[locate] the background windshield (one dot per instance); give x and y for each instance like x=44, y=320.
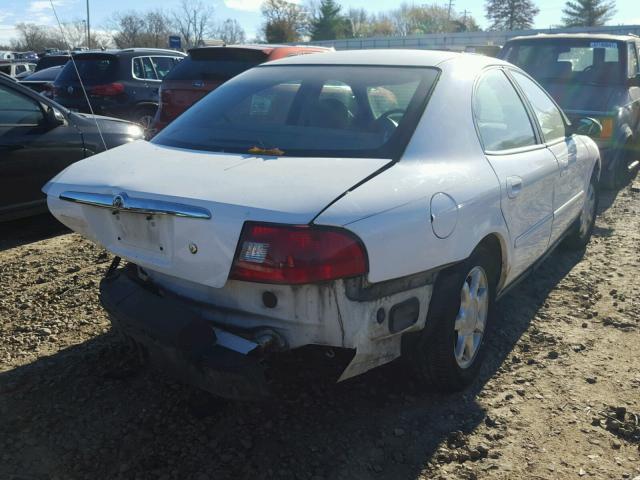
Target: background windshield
x=569, y=60
x=216, y=64
x=308, y=111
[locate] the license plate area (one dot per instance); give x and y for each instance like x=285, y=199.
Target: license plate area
x=149, y=233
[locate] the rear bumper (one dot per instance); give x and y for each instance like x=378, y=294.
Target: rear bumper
x=181, y=343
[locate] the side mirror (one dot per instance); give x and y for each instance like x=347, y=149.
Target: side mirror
x=52, y=117
x=586, y=126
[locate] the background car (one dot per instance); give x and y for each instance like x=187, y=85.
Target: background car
x=42, y=81
x=206, y=68
x=594, y=75
x=375, y=202
x=119, y=83
x=38, y=139
x=17, y=69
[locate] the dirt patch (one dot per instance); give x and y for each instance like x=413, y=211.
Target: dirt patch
x=563, y=366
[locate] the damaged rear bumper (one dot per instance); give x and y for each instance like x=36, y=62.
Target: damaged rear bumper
x=181, y=343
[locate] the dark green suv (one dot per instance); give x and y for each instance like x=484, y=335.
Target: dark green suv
x=596, y=76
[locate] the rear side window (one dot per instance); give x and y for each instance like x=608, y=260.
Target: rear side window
x=18, y=109
x=548, y=115
x=501, y=117
x=5, y=69
x=93, y=70
x=143, y=69
x=216, y=64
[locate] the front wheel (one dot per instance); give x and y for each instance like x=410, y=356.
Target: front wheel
x=450, y=349
x=582, y=227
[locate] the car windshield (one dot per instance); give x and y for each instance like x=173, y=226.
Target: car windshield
x=569, y=60
x=93, y=70
x=308, y=110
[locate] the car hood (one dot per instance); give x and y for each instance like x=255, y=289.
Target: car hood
x=233, y=188
x=577, y=97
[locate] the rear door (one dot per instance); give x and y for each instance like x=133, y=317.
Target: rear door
x=573, y=157
x=31, y=152
x=526, y=169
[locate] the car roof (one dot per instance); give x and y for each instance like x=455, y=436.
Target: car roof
x=384, y=57
x=578, y=36
x=130, y=52
x=265, y=47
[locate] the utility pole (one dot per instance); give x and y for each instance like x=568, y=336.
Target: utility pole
x=88, y=28
x=464, y=17
x=451, y=3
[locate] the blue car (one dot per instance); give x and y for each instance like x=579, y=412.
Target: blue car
x=596, y=76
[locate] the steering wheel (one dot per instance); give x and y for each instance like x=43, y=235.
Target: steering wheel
x=390, y=113
x=386, y=123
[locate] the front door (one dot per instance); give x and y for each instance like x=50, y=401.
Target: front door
x=526, y=169
x=32, y=150
x=573, y=161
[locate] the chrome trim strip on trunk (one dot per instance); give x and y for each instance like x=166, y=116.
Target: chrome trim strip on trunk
x=122, y=202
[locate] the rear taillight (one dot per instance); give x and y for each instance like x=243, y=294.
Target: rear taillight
x=107, y=90
x=297, y=254
x=607, y=127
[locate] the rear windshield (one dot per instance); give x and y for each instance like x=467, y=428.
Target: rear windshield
x=216, y=64
x=308, y=110
x=569, y=60
x=46, y=62
x=93, y=70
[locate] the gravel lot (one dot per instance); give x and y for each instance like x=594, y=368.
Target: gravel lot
x=559, y=396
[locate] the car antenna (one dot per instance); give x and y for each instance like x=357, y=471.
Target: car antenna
x=75, y=67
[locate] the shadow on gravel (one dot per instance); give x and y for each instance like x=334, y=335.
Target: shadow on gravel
x=89, y=412
x=28, y=230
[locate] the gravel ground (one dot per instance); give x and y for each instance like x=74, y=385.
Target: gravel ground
x=558, y=397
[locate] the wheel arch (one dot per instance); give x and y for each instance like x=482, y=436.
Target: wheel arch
x=497, y=245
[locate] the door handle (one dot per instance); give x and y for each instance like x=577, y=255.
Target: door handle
x=514, y=186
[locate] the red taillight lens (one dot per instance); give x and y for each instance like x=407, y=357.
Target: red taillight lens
x=108, y=90
x=297, y=254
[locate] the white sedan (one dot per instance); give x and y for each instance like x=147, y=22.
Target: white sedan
x=371, y=202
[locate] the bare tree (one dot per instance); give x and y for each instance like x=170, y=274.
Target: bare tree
x=193, y=21
x=32, y=37
x=230, y=32
x=135, y=29
x=360, y=22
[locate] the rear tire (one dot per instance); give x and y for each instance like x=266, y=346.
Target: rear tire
x=448, y=353
x=582, y=227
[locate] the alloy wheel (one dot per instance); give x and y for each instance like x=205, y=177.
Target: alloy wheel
x=472, y=316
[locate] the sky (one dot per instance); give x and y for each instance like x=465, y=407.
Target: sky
x=247, y=12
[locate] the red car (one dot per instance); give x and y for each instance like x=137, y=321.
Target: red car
x=206, y=68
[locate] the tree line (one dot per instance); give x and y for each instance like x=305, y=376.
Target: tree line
x=284, y=21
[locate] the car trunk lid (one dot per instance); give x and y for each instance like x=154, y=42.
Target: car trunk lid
x=151, y=204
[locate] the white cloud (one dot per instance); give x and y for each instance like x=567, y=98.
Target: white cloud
x=246, y=5
x=7, y=33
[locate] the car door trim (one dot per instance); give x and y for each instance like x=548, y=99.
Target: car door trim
x=532, y=229
x=577, y=197
x=145, y=206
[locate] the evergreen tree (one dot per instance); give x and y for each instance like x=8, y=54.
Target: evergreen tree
x=511, y=14
x=588, y=13
x=329, y=23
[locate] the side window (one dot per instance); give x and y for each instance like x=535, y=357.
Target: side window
x=501, y=117
x=163, y=65
x=18, y=110
x=548, y=115
x=143, y=69
x=20, y=69
x=633, y=61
